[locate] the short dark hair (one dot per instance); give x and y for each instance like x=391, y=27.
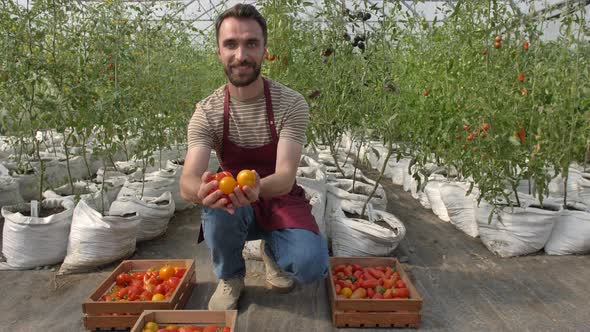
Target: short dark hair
x=241, y=11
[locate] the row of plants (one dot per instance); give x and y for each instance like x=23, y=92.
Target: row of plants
x=100, y=74
x=481, y=91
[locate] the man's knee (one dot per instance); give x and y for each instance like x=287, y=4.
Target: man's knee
x=310, y=263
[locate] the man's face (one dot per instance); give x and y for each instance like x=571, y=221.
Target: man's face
x=241, y=49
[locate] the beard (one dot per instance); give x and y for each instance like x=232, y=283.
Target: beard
x=242, y=79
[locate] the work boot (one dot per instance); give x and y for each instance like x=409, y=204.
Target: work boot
x=276, y=279
x=227, y=294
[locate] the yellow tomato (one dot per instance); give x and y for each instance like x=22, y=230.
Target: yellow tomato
x=166, y=272
x=227, y=185
x=246, y=178
x=160, y=297
x=347, y=292
x=151, y=326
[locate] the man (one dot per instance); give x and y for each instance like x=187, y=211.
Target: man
x=257, y=124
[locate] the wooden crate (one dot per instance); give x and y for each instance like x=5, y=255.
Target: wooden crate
x=187, y=317
x=374, y=313
x=123, y=315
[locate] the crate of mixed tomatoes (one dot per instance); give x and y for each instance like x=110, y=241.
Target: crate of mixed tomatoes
x=186, y=321
x=372, y=292
x=138, y=285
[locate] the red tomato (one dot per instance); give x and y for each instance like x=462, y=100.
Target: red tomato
x=498, y=39
x=246, y=178
x=404, y=293
x=370, y=293
x=377, y=296
x=123, y=279
x=466, y=127
x=173, y=282
x=161, y=288
x=123, y=292
x=221, y=175
x=138, y=275
x=338, y=288
x=179, y=272
x=525, y=45
x=166, y=272
x=226, y=329
x=521, y=134
x=400, y=284
x=396, y=275
x=339, y=268
x=348, y=270
x=146, y=296
x=485, y=126
x=497, y=45
x=137, y=283
x=135, y=291
x=372, y=283
x=211, y=328
x=272, y=58
x=521, y=76
x=388, y=283
x=357, y=267
x=400, y=293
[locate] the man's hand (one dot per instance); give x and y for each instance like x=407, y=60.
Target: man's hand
x=246, y=195
x=212, y=197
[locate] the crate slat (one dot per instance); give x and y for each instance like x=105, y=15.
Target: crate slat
x=196, y=317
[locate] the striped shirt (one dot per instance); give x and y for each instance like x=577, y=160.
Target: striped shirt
x=248, y=124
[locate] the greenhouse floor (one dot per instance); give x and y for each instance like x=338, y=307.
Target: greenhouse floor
x=464, y=286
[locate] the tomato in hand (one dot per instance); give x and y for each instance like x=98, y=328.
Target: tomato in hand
x=246, y=178
x=221, y=175
x=227, y=185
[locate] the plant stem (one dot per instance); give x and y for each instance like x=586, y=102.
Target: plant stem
x=389, y=153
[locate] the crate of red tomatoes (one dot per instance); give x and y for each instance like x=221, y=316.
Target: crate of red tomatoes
x=138, y=285
x=372, y=292
x=186, y=321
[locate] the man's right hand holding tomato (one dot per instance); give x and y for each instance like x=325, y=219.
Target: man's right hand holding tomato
x=210, y=195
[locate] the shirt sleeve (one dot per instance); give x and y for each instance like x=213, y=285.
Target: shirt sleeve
x=296, y=121
x=199, y=133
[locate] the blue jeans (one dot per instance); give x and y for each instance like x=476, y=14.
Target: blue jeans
x=300, y=253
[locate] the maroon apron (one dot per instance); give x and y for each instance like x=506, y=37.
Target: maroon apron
x=288, y=211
